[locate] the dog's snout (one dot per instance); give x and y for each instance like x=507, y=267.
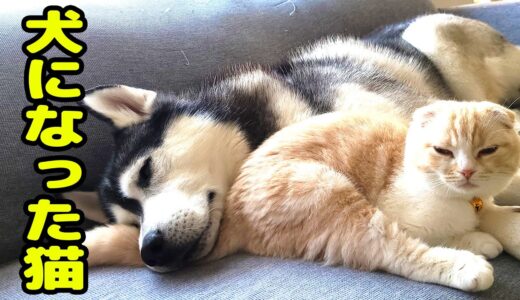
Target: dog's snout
x=153, y=248
x=157, y=251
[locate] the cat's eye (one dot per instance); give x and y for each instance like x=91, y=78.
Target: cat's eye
x=487, y=151
x=443, y=151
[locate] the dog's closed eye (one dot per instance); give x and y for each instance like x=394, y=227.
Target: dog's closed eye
x=211, y=196
x=145, y=174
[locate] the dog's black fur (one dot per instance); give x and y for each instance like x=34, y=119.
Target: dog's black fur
x=250, y=111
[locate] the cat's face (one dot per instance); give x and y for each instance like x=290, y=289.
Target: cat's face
x=468, y=148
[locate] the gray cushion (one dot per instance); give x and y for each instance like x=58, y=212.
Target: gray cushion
x=143, y=43
x=249, y=277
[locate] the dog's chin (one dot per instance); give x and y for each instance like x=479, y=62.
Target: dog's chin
x=170, y=267
x=162, y=269
x=205, y=244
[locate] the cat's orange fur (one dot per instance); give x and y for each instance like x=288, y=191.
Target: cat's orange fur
x=312, y=191
x=292, y=198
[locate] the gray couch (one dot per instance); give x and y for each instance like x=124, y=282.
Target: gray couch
x=172, y=45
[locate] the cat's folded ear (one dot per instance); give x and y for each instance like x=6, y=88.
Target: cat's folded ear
x=425, y=114
x=506, y=116
x=120, y=104
x=517, y=123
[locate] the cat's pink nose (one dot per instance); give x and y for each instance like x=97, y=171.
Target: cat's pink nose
x=467, y=173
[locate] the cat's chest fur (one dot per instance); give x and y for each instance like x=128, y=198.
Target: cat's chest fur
x=428, y=217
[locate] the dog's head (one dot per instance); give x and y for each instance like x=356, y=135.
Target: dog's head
x=171, y=168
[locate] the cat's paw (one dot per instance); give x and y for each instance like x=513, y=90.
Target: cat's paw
x=504, y=223
x=472, y=273
x=481, y=243
x=511, y=238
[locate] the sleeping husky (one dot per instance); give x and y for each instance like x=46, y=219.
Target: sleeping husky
x=176, y=155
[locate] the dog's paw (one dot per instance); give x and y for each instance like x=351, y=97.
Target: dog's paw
x=471, y=272
x=481, y=243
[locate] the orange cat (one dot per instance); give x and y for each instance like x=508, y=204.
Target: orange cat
x=366, y=192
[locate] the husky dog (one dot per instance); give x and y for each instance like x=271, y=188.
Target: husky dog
x=176, y=155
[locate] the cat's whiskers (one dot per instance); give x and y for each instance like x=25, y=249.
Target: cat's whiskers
x=436, y=183
x=451, y=174
x=452, y=177
x=446, y=190
x=513, y=103
x=505, y=173
x=215, y=209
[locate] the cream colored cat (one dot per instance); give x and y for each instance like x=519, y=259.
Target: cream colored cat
x=368, y=193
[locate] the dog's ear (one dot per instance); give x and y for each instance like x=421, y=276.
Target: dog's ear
x=120, y=104
x=88, y=202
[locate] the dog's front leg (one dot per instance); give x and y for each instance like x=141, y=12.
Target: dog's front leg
x=511, y=196
x=503, y=222
x=113, y=245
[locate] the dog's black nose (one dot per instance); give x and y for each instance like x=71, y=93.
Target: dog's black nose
x=157, y=251
x=153, y=248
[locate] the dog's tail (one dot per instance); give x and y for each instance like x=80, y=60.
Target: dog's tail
x=113, y=245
